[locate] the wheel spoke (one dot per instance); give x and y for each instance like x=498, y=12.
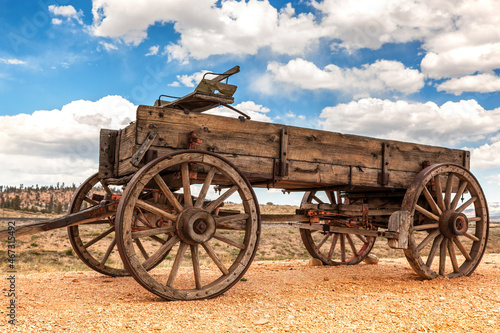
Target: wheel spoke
x=151, y=232
x=142, y=219
x=453, y=257
x=162, y=251
x=90, y=201
x=426, y=212
x=351, y=244
x=434, y=206
x=177, y=264
x=432, y=253
x=471, y=236
x=362, y=238
x=233, y=222
x=324, y=240
x=442, y=256
x=342, y=248
x=426, y=226
x=229, y=241
x=439, y=192
x=459, y=193
x=427, y=239
x=106, y=188
x=196, y=266
x=461, y=247
x=332, y=247
x=466, y=204
x=141, y=248
x=216, y=203
x=168, y=194
x=211, y=253
x=108, y=252
x=158, y=239
x=186, y=185
x=447, y=193
x=99, y=237
x=204, y=189
x=155, y=210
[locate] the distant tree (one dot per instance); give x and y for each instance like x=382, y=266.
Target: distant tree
x=50, y=206
x=16, y=203
x=59, y=208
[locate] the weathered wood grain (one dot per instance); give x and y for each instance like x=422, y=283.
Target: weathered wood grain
x=313, y=158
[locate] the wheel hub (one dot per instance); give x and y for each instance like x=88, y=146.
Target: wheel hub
x=453, y=224
x=195, y=226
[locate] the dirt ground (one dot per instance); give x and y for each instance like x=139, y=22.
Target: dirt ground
x=279, y=296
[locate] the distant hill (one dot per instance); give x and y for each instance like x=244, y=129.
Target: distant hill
x=44, y=199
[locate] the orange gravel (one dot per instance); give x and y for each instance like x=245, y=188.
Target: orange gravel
x=283, y=296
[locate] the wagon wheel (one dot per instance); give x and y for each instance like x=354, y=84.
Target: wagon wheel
x=211, y=248
x=449, y=229
x=95, y=243
x=330, y=247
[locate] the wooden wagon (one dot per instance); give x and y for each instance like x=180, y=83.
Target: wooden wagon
x=179, y=166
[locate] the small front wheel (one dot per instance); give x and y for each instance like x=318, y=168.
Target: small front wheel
x=330, y=247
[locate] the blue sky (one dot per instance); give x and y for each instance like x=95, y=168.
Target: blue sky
x=425, y=72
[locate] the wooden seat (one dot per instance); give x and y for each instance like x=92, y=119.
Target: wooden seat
x=209, y=93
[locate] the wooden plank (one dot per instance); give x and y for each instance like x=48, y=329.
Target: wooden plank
x=399, y=222
x=107, y=153
x=127, y=145
x=300, y=174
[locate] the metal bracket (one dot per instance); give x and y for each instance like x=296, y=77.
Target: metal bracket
x=193, y=140
x=139, y=154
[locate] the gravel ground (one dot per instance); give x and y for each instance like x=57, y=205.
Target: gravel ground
x=280, y=296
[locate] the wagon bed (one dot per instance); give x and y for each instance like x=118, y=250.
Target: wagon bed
x=271, y=155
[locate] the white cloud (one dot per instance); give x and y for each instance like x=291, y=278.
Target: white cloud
x=58, y=145
x=232, y=27
x=450, y=124
x=483, y=83
x=486, y=156
x=12, y=61
x=254, y=111
x=370, y=24
x=56, y=21
x=459, y=38
x=68, y=12
x=108, y=47
x=191, y=80
x=462, y=61
x=153, y=50
x=381, y=76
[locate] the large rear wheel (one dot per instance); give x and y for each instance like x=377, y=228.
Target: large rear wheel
x=210, y=248
x=450, y=222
